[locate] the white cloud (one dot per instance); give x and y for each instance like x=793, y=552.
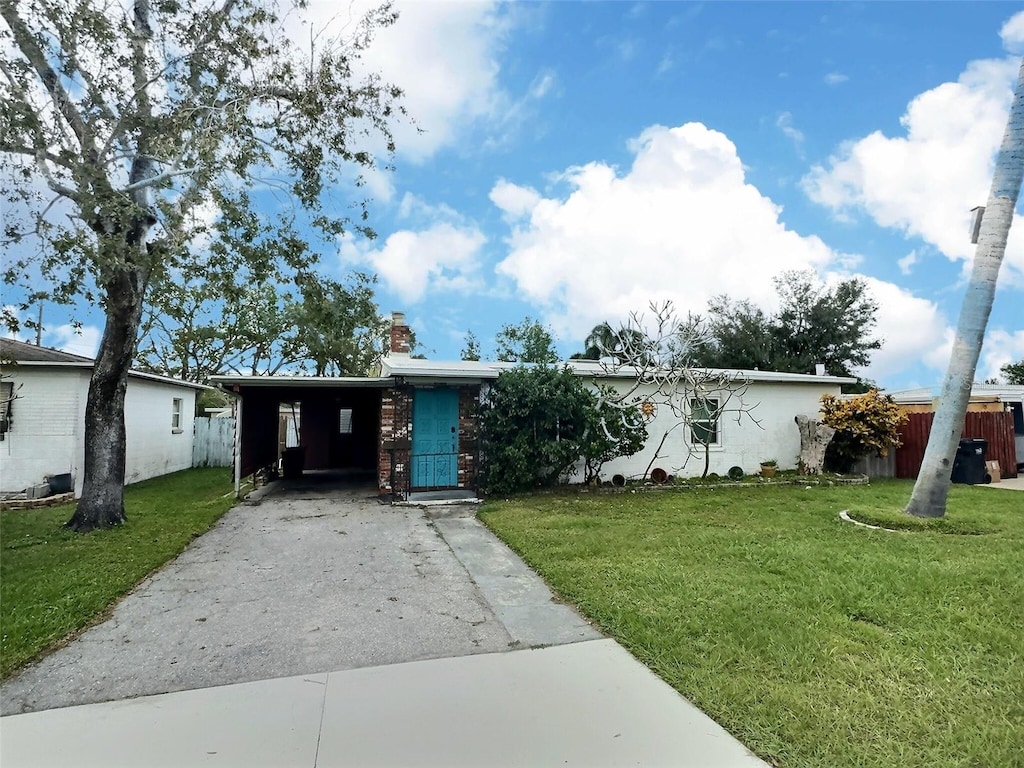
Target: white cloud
x=682, y=223
x=911, y=328
x=84, y=340
x=926, y=181
x=835, y=78
x=784, y=123
x=907, y=263
x=445, y=56
x=1001, y=347
x=1012, y=33
x=443, y=256
x=513, y=200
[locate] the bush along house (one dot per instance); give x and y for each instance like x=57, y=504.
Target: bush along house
x=413, y=428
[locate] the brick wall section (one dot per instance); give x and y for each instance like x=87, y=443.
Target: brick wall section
x=393, y=476
x=395, y=436
x=469, y=398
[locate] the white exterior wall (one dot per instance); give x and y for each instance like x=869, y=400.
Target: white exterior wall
x=742, y=443
x=47, y=437
x=153, y=448
x=47, y=423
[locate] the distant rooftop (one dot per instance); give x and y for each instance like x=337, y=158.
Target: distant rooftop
x=19, y=352
x=29, y=355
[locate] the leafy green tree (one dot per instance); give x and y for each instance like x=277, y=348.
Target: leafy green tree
x=1013, y=372
x=815, y=324
x=144, y=121
x=471, y=347
x=537, y=422
x=605, y=341
x=526, y=342
x=743, y=336
x=868, y=423
x=338, y=329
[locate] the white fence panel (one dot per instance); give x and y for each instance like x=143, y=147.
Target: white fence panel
x=213, y=442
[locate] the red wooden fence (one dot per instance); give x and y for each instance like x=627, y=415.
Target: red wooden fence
x=996, y=428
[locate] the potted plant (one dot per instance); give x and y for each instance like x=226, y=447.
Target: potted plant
x=769, y=467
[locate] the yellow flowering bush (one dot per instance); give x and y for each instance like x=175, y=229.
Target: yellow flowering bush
x=864, y=424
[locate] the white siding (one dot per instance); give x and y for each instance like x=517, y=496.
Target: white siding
x=49, y=421
x=153, y=447
x=46, y=426
x=743, y=443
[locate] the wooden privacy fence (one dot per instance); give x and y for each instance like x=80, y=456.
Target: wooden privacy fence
x=213, y=442
x=994, y=427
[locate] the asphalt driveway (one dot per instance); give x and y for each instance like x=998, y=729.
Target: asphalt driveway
x=300, y=584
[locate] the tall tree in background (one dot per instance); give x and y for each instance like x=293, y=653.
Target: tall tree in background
x=1014, y=372
x=471, y=347
x=338, y=328
x=815, y=324
x=526, y=342
x=129, y=126
x=928, y=498
x=605, y=341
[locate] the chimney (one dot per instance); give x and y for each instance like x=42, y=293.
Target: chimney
x=400, y=334
x=819, y=368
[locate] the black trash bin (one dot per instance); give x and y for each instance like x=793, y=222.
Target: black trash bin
x=293, y=461
x=969, y=464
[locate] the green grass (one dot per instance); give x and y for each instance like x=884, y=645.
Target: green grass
x=814, y=641
x=54, y=582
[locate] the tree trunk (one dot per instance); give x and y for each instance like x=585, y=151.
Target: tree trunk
x=814, y=440
x=102, y=501
x=932, y=487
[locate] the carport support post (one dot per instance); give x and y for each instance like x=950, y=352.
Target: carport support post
x=238, y=445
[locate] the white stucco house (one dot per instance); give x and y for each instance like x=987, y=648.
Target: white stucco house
x=42, y=427
x=756, y=424
x=415, y=424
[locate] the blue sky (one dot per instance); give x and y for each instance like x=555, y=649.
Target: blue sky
x=578, y=160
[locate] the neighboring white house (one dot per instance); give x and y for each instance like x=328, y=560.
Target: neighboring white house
x=42, y=428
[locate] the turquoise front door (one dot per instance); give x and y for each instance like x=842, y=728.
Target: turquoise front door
x=435, y=438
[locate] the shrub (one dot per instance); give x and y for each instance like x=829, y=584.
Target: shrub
x=864, y=424
x=537, y=422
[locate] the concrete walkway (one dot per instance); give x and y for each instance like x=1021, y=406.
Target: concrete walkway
x=1008, y=484
x=329, y=630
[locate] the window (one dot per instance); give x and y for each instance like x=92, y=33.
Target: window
x=176, y=415
x=704, y=421
x=345, y=421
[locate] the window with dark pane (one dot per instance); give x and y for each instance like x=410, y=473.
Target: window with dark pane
x=704, y=420
x=345, y=421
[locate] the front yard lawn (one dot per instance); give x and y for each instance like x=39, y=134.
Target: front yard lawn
x=814, y=641
x=54, y=582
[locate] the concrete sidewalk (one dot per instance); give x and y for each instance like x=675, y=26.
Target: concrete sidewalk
x=585, y=704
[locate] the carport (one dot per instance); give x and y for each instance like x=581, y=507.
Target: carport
x=337, y=420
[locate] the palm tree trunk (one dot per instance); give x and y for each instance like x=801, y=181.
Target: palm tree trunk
x=929, y=495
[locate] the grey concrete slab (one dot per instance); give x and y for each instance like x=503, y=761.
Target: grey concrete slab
x=584, y=704
x=272, y=723
x=299, y=584
x=519, y=597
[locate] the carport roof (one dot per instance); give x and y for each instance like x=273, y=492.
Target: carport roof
x=228, y=382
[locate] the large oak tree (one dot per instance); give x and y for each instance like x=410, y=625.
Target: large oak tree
x=142, y=134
